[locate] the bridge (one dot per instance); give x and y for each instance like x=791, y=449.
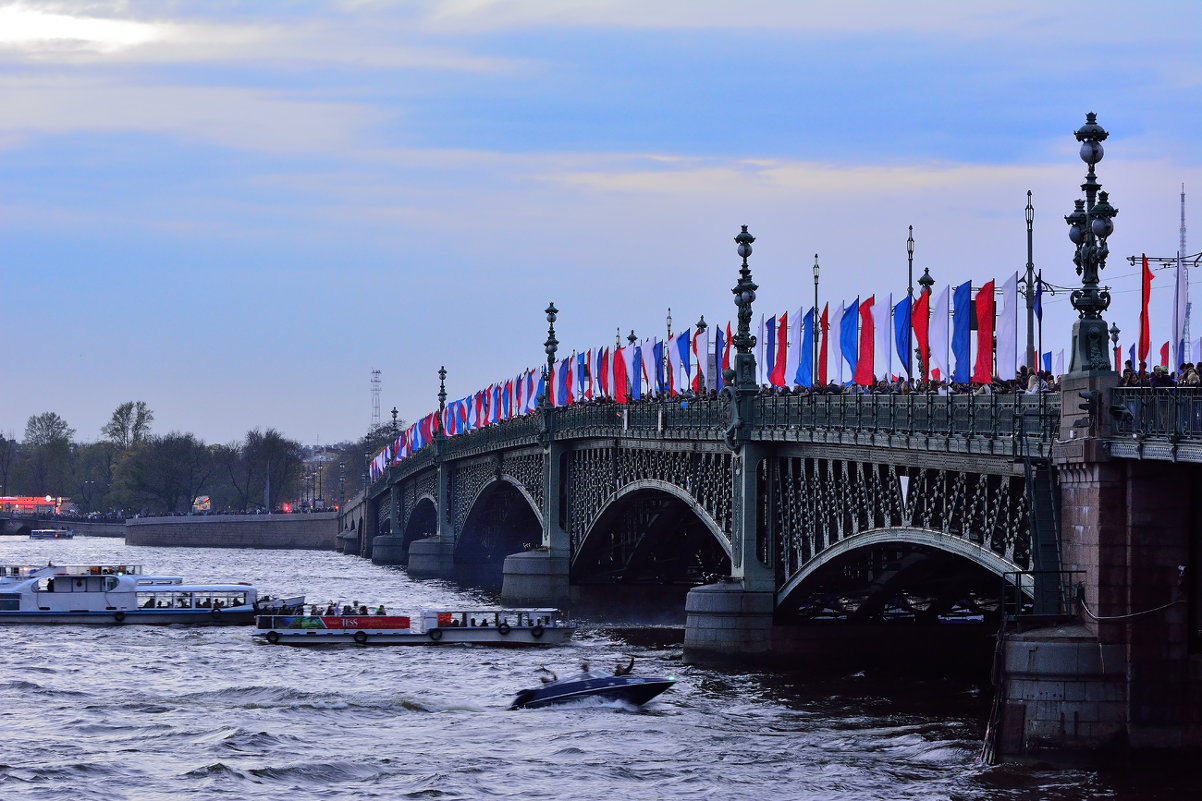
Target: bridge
x=1070, y=522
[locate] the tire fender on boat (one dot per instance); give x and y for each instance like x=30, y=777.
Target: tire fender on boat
x=360, y=637
x=215, y=614
x=273, y=637
x=537, y=631
x=503, y=629
x=436, y=634
x=118, y=616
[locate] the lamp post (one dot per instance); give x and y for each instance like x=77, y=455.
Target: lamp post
x=701, y=375
x=1114, y=337
x=341, y=485
x=667, y=357
x=439, y=430
x=1089, y=226
x=740, y=382
x=395, y=431
x=550, y=346
x=1030, y=286
x=814, y=329
x=910, y=263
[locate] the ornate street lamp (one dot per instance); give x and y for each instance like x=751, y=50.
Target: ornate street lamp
x=550, y=347
x=667, y=377
x=1031, y=357
x=1114, y=337
x=744, y=292
x=442, y=401
x=740, y=387
x=910, y=263
x=1089, y=226
x=395, y=432
x=814, y=328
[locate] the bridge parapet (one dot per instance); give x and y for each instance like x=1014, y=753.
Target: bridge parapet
x=1163, y=423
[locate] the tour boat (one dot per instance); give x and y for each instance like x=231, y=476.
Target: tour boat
x=116, y=594
x=635, y=690
x=512, y=627
x=51, y=534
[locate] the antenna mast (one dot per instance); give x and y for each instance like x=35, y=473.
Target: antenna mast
x=1181, y=256
x=375, y=399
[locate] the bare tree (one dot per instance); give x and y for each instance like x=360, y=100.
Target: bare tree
x=129, y=425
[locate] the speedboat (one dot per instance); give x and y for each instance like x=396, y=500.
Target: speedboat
x=115, y=594
x=505, y=627
x=636, y=690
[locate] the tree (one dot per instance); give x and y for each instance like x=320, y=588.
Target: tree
x=170, y=471
x=92, y=475
x=8, y=453
x=47, y=451
x=129, y=425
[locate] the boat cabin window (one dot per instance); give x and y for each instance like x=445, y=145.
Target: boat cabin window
x=10, y=601
x=218, y=600
x=77, y=584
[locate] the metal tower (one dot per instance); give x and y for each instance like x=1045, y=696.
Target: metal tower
x=375, y=399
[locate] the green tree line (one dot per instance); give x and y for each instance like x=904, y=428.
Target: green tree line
x=132, y=470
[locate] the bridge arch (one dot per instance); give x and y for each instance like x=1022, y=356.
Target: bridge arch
x=960, y=566
x=651, y=531
x=422, y=521
x=502, y=518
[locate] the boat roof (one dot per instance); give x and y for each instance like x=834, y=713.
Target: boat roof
x=495, y=610
x=29, y=571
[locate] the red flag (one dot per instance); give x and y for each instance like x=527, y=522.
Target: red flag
x=777, y=376
x=864, y=364
x=603, y=373
x=726, y=349
x=1164, y=355
x=920, y=317
x=1145, y=339
x=983, y=372
x=619, y=376
x=822, y=347
x=1118, y=359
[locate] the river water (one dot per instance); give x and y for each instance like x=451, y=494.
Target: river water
x=148, y=713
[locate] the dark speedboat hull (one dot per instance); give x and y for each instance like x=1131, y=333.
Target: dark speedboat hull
x=636, y=690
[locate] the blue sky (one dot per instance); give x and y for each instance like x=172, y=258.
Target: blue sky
x=234, y=211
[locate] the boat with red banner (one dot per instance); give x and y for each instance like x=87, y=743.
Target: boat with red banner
x=505, y=627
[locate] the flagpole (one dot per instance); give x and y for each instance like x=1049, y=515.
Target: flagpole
x=1032, y=357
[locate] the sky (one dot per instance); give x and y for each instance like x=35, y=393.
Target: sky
x=235, y=211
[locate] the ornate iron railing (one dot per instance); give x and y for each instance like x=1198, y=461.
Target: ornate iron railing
x=1029, y=417
x=1171, y=413
x=991, y=416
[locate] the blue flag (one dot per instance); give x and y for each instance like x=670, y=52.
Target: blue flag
x=961, y=331
x=659, y=367
x=901, y=331
x=636, y=377
x=1039, y=296
x=805, y=367
x=849, y=330
x=1047, y=360
x=719, y=343
x=769, y=347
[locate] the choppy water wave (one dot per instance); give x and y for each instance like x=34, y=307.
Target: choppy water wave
x=148, y=713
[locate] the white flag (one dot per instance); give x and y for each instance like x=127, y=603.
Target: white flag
x=1007, y=331
x=794, y=360
x=834, y=340
x=937, y=333
x=882, y=314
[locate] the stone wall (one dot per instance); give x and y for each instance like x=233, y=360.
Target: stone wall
x=308, y=531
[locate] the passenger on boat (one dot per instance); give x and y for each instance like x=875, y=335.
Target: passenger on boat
x=346, y=610
x=380, y=610
x=548, y=676
x=331, y=611
x=621, y=670
x=149, y=604
x=363, y=609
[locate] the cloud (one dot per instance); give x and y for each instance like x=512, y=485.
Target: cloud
x=49, y=34
x=255, y=119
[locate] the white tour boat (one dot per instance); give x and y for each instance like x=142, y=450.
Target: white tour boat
x=115, y=594
x=52, y=534
x=510, y=627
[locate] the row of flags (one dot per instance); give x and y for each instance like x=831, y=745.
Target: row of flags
x=869, y=336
